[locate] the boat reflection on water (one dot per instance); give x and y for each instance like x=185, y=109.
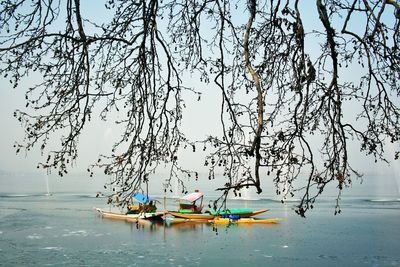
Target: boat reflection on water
x=154, y=226
x=193, y=226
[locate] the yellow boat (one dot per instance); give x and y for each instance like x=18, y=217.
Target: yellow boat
x=244, y=221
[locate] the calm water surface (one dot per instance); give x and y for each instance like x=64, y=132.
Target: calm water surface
x=63, y=229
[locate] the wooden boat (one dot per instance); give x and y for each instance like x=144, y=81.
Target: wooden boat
x=195, y=216
x=244, y=221
x=187, y=208
x=243, y=213
x=141, y=207
x=131, y=217
x=209, y=215
x=193, y=211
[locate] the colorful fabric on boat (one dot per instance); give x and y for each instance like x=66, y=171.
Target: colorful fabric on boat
x=231, y=216
x=185, y=211
x=231, y=211
x=142, y=198
x=192, y=197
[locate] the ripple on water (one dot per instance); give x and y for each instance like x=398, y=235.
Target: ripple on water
x=53, y=248
x=83, y=233
x=34, y=237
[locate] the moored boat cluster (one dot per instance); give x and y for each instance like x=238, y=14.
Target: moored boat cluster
x=143, y=207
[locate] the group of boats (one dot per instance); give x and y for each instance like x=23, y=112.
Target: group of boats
x=190, y=210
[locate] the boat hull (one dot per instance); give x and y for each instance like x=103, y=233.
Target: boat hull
x=130, y=217
x=195, y=216
x=245, y=221
x=207, y=216
x=242, y=213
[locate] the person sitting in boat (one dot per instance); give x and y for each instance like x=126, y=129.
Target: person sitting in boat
x=151, y=207
x=188, y=202
x=134, y=209
x=141, y=203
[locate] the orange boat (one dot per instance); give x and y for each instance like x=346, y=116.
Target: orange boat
x=193, y=216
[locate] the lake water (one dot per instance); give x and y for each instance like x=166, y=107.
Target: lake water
x=63, y=229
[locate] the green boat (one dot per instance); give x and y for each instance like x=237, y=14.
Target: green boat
x=239, y=212
x=211, y=214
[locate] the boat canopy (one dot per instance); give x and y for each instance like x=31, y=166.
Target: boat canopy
x=192, y=197
x=142, y=198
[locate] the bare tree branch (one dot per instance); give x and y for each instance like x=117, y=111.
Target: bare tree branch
x=288, y=111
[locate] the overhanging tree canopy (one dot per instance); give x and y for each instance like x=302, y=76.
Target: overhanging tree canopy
x=282, y=81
